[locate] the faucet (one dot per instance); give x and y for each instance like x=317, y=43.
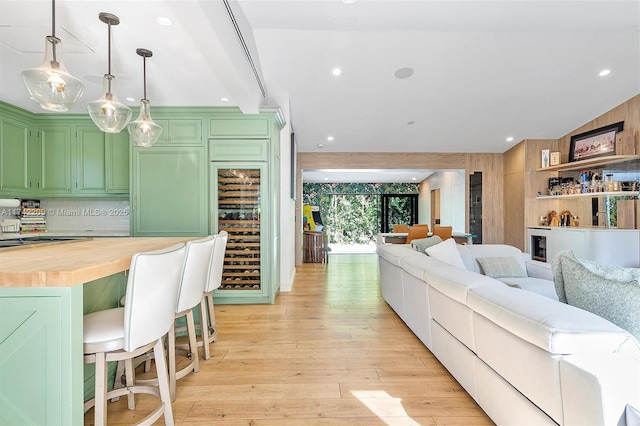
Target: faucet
x=607, y=225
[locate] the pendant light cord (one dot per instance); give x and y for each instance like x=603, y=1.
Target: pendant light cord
x=144, y=72
x=53, y=18
x=109, y=56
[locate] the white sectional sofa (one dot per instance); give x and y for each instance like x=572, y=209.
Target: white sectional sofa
x=522, y=355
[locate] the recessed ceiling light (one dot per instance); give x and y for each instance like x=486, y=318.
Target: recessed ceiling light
x=509, y=139
x=224, y=99
x=414, y=178
x=163, y=20
x=326, y=178
x=336, y=71
x=604, y=72
x=320, y=145
x=402, y=73
x=329, y=138
x=130, y=99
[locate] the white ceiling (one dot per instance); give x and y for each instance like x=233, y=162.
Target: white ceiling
x=483, y=70
x=365, y=176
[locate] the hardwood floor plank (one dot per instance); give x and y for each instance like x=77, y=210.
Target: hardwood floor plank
x=329, y=353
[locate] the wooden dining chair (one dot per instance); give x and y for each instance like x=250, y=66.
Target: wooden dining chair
x=443, y=232
x=417, y=231
x=399, y=229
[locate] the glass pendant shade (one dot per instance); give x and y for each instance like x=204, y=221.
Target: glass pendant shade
x=143, y=130
x=50, y=85
x=107, y=112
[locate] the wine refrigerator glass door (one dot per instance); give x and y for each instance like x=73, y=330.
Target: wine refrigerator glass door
x=238, y=207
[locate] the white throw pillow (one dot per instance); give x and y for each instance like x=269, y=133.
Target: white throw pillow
x=447, y=252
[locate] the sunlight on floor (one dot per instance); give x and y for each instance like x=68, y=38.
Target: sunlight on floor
x=386, y=407
x=352, y=248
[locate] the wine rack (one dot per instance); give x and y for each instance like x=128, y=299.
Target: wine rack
x=239, y=214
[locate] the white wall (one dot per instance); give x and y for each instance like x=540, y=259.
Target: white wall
x=287, y=205
x=452, y=198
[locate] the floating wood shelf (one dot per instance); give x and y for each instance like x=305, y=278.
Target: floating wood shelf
x=593, y=162
x=592, y=194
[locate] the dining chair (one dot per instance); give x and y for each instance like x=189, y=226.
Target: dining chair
x=399, y=229
x=417, y=231
x=122, y=334
x=443, y=232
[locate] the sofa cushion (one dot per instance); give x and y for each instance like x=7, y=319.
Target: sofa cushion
x=421, y=244
x=555, y=327
x=416, y=263
x=447, y=252
x=501, y=267
x=455, y=283
x=392, y=253
x=608, y=291
x=534, y=285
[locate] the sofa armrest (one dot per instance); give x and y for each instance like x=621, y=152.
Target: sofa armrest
x=596, y=388
x=537, y=269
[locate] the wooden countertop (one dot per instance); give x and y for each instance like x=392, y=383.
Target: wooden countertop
x=74, y=263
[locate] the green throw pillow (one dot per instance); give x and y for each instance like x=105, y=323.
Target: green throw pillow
x=421, y=244
x=501, y=267
x=611, y=292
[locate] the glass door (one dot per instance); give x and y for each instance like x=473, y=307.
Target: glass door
x=398, y=209
x=237, y=206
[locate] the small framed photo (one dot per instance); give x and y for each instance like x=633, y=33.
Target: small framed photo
x=554, y=159
x=545, y=158
x=595, y=143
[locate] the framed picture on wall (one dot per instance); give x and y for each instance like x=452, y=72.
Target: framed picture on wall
x=595, y=143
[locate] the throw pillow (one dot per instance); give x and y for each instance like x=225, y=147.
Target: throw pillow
x=447, y=252
x=421, y=244
x=501, y=267
x=608, y=291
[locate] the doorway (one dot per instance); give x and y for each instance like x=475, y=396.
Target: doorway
x=398, y=209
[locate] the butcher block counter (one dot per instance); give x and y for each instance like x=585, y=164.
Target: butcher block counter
x=45, y=289
x=71, y=263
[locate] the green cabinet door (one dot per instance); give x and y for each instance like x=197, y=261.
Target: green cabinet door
x=117, y=163
x=41, y=356
x=54, y=162
x=168, y=193
x=180, y=132
x=14, y=150
x=90, y=176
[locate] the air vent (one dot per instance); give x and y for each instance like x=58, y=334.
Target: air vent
x=247, y=54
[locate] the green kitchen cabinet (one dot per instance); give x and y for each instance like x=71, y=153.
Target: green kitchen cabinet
x=244, y=154
x=102, y=162
x=14, y=156
x=180, y=132
x=169, y=191
x=90, y=171
x=54, y=162
x=41, y=353
x=117, y=162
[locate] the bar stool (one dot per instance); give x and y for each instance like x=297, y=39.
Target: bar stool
x=121, y=334
x=209, y=333
x=192, y=284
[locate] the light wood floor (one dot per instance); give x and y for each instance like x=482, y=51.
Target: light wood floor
x=330, y=352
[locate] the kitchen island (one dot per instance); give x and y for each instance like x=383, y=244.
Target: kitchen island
x=44, y=292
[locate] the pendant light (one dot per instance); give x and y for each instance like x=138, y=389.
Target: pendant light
x=143, y=130
x=109, y=114
x=50, y=84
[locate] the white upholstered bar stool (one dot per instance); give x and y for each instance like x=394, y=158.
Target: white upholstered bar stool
x=209, y=333
x=194, y=277
x=125, y=333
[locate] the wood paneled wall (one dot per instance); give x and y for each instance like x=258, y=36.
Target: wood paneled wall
x=489, y=164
